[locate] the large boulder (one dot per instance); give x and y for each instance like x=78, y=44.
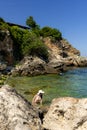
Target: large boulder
x=66, y=114
x=31, y=66
x=16, y=113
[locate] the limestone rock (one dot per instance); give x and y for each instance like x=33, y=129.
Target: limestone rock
x=6, y=47
x=31, y=66
x=75, y=61
x=67, y=114
x=16, y=113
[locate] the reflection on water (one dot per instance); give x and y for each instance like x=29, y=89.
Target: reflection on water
x=72, y=83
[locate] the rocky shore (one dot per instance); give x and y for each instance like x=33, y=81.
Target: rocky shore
x=31, y=66
x=17, y=113
x=62, y=55
x=66, y=114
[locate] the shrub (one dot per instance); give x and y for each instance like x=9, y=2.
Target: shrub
x=17, y=35
x=51, y=32
x=32, y=45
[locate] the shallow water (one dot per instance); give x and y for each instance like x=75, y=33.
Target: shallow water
x=72, y=83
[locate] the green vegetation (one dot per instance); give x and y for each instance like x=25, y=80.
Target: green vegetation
x=2, y=79
x=17, y=35
x=31, y=23
x=3, y=24
x=51, y=32
x=30, y=42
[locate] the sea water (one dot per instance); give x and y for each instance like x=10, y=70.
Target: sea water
x=72, y=83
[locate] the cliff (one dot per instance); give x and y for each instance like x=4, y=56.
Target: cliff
x=61, y=55
x=6, y=47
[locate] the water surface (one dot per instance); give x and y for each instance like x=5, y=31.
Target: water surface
x=72, y=83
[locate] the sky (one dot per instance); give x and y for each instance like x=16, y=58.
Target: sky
x=68, y=16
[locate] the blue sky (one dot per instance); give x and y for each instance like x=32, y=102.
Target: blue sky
x=69, y=16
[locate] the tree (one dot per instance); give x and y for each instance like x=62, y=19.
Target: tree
x=31, y=23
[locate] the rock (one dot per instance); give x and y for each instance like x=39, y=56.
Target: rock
x=81, y=61
x=66, y=114
x=3, y=66
x=16, y=113
x=77, y=61
x=60, y=48
x=6, y=47
x=31, y=66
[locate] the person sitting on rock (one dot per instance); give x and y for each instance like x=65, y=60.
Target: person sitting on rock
x=37, y=99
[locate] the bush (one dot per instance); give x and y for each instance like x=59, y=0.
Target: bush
x=17, y=35
x=27, y=43
x=32, y=45
x=51, y=32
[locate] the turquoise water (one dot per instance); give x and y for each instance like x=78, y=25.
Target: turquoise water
x=72, y=83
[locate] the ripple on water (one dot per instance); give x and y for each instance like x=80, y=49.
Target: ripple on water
x=72, y=83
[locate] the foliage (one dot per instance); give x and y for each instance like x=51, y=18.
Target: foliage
x=4, y=26
x=31, y=23
x=32, y=45
x=28, y=42
x=17, y=35
x=51, y=32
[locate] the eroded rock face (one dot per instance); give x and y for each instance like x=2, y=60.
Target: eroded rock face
x=6, y=47
x=67, y=114
x=31, y=66
x=16, y=113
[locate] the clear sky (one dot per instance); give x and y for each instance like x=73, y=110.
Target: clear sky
x=69, y=16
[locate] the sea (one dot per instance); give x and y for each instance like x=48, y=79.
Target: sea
x=72, y=83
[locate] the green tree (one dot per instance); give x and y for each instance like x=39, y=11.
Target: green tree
x=31, y=23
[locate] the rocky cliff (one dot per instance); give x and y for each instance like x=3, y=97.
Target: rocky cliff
x=6, y=47
x=16, y=113
x=61, y=55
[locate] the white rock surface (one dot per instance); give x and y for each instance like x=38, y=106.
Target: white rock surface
x=16, y=113
x=67, y=114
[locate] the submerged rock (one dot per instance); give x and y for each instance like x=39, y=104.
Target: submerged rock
x=16, y=113
x=66, y=114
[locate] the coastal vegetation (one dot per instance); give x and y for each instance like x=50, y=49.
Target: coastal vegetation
x=30, y=41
